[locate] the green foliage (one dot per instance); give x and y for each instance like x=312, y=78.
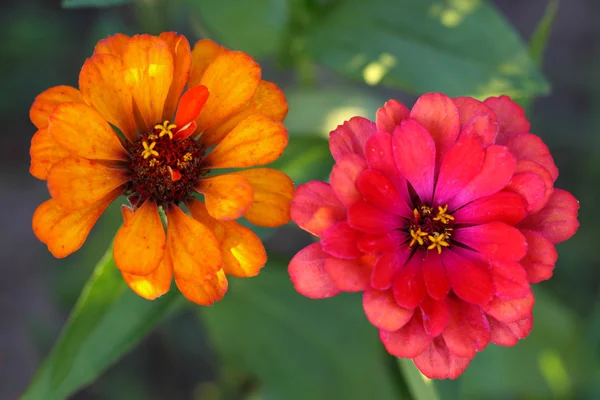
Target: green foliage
x=539, y=38
x=299, y=348
x=420, y=387
x=93, y=3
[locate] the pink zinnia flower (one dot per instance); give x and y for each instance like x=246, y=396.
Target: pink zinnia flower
x=443, y=215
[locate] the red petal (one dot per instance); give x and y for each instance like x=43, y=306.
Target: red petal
x=350, y=275
x=436, y=362
x=315, y=207
x=469, y=278
x=434, y=274
x=505, y=207
x=391, y=114
x=382, y=310
x=468, y=330
x=438, y=114
x=531, y=147
x=378, y=190
x=380, y=243
x=461, y=164
x=436, y=314
x=476, y=120
x=350, y=137
x=365, y=217
x=341, y=241
x=407, y=342
x=496, y=240
x=540, y=258
x=343, y=178
x=558, y=220
x=496, y=172
x=387, y=265
x=511, y=118
x=414, y=153
x=409, y=286
x=510, y=280
x=307, y=272
x=510, y=310
x=508, y=334
x=536, y=195
x=189, y=108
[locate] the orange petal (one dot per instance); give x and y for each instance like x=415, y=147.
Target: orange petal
x=242, y=251
x=182, y=61
x=193, y=247
x=114, y=45
x=273, y=193
x=81, y=130
x=257, y=140
x=148, y=68
x=78, y=183
x=226, y=196
x=140, y=243
x=231, y=79
x=203, y=292
x=44, y=152
x=190, y=106
x=64, y=231
x=156, y=283
x=268, y=100
x=103, y=87
x=46, y=101
x=205, y=51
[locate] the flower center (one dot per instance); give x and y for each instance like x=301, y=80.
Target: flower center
x=164, y=169
x=431, y=228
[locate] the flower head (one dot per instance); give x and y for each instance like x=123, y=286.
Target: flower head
x=443, y=215
x=154, y=120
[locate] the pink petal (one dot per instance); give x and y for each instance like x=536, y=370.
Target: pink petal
x=505, y=207
x=363, y=216
x=350, y=137
x=409, y=286
x=476, y=120
x=557, y=221
x=469, y=278
x=511, y=118
x=391, y=114
x=378, y=190
x=510, y=310
x=434, y=274
x=388, y=264
x=532, y=188
x=343, y=178
x=436, y=362
x=350, y=275
x=341, y=241
x=379, y=156
x=407, y=342
x=496, y=240
x=307, y=271
x=315, y=207
x=380, y=243
x=496, y=172
x=414, y=153
x=537, y=197
x=436, y=314
x=382, y=310
x=532, y=148
x=540, y=258
x=438, y=114
x=508, y=334
x=510, y=280
x=468, y=330
x=461, y=164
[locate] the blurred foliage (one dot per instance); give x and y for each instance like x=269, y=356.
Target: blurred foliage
x=335, y=59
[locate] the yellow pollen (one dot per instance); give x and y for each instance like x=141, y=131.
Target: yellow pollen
x=437, y=242
x=165, y=129
x=153, y=162
x=149, y=150
x=442, y=216
x=187, y=156
x=417, y=237
x=152, y=136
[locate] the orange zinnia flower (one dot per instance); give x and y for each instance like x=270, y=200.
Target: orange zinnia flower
x=131, y=130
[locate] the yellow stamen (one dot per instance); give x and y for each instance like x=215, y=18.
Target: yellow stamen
x=442, y=216
x=187, y=156
x=149, y=150
x=417, y=237
x=165, y=129
x=153, y=162
x=437, y=242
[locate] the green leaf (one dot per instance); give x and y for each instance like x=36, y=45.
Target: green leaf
x=257, y=27
x=420, y=386
x=299, y=348
x=461, y=48
x=93, y=3
x=306, y=157
x=106, y=322
x=539, y=38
